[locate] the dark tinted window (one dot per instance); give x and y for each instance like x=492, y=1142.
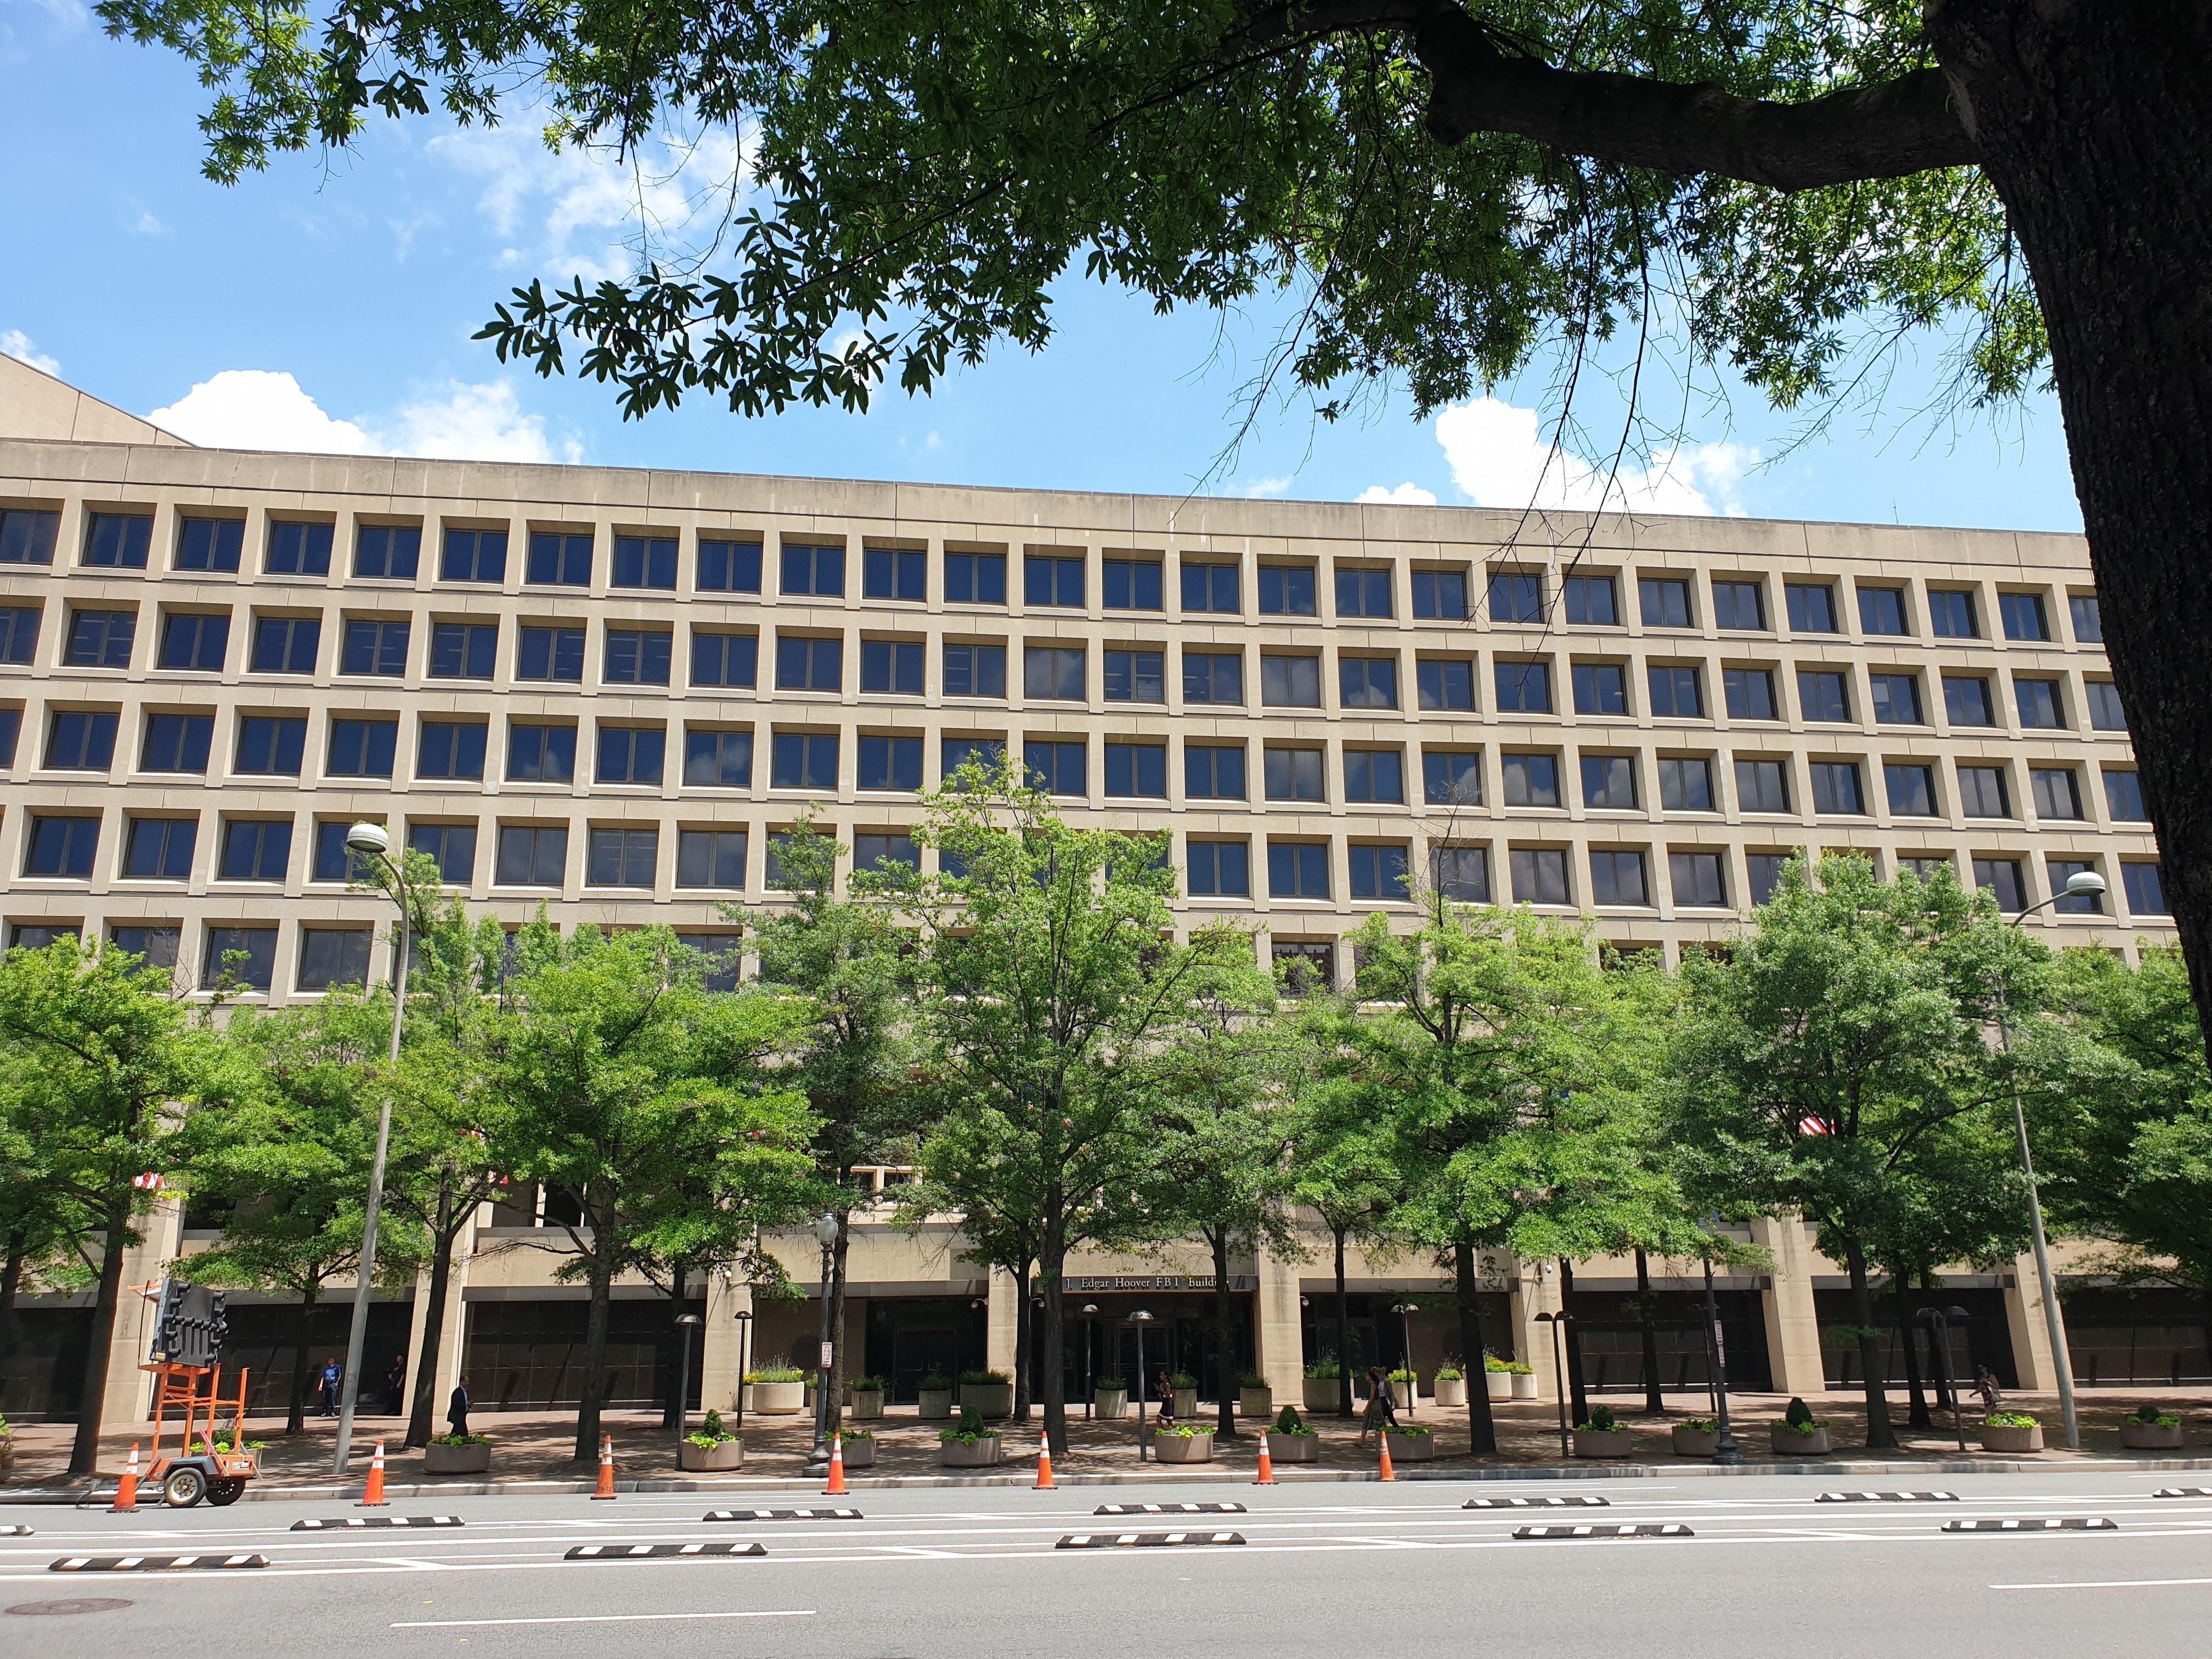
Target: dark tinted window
x=1218, y=869
x=1750, y=693
x=333, y=956
x=1051, y=581
x=389, y=551
x=1524, y=688
x=1461, y=874
x=1286, y=589
x=177, y=743
x=975, y=579
x=815, y=571
x=893, y=572
x=1590, y=601
x=1451, y=777
x=1440, y=594
x=541, y=754
x=1676, y=693
x=550, y=654
x=100, y=639
x=255, y=849
x=2056, y=791
x=1951, y=614
x=271, y=744
x=1129, y=585
x=1697, y=878
x=711, y=858
x=644, y=562
x=2088, y=619
x=191, y=640
x=1053, y=671
x=1293, y=774
x=532, y=857
x=1057, y=769
x=1530, y=779
x=557, y=561
x=889, y=763
x=1982, y=793
x=719, y=760
x=1912, y=789
x=1210, y=587
x=892, y=666
x=329, y=857
x=1600, y=688
x=61, y=847
x=363, y=749
x=1762, y=786
x=453, y=845
x=2023, y=615
x=729, y=567
x=1213, y=772
x=1137, y=769
x=1290, y=682
x=209, y=543
x=2038, y=703
x=631, y=754
x=451, y=749
x=638, y=656
x=1376, y=872
x=373, y=647
x=2145, y=884
x=1896, y=698
x=119, y=540
x=802, y=760
x=1822, y=694
x=1666, y=601
x=974, y=671
x=19, y=632
x=1608, y=781
x=27, y=535
x=80, y=740
x=1367, y=682
x=298, y=550
x=286, y=645
x=804, y=664
x=2002, y=878
x=1836, y=787
x=1363, y=593
x=1741, y=606
x=724, y=660
x=1617, y=878
x=1297, y=869
x=1686, y=784
x=474, y=555
x=1445, y=682
x=1812, y=609
x=1137, y=676
x=2123, y=797
x=2105, y=713
x=1881, y=609
x=1967, y=701
x=1374, y=774
x=466, y=651
x=243, y=957
x=1516, y=597
x=1212, y=677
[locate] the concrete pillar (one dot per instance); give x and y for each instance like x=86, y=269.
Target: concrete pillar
x=999, y=1331
x=1278, y=1329
x=1793, y=1326
x=129, y=1395
x=2031, y=1335
x=1535, y=1289
x=419, y=1314
x=724, y=1339
x=450, y=1354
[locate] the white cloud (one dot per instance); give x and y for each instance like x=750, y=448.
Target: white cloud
x=147, y=225
x=257, y=409
x=1405, y=495
x=1500, y=457
x=1266, y=487
x=13, y=343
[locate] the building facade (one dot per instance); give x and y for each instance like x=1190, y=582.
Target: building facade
x=607, y=692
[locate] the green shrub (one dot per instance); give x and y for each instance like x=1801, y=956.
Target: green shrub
x=1288, y=1421
x=1450, y=1374
x=706, y=1442
x=1185, y=1430
x=1251, y=1380
x=461, y=1440
x=1702, y=1425
x=2151, y=1418
x=858, y=1434
x=1183, y=1380
x=777, y=1374
x=1519, y=1367
x=967, y=1436
x=711, y=1424
x=2011, y=1421
x=983, y=1379
x=1798, y=1416
x=1405, y=1428
x=1602, y=1420
x=1326, y=1370
x=868, y=1385
x=935, y=1382
x=1491, y=1362
x=1401, y=1375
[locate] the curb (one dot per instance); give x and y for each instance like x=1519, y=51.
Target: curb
x=1193, y=1475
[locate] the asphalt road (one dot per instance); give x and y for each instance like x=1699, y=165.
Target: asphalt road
x=1347, y=1571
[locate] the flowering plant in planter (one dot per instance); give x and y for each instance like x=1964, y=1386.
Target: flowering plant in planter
x=777, y=1374
x=2012, y=1420
x=461, y=1440
x=1326, y=1370
x=1406, y=1428
x=2148, y=1417
x=227, y=1442
x=984, y=1379
x=1289, y=1422
x=710, y=1432
x=1601, y=1421
x=1183, y=1380
x=1185, y=1430
x=1450, y=1373
x=1701, y=1424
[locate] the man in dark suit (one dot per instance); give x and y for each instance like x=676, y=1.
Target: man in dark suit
x=457, y=1411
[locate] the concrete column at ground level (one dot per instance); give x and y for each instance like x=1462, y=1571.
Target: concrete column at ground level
x=417, y=1314
x=726, y=1359
x=453, y=1340
x=1534, y=1289
x=130, y=1395
x=2031, y=1332
x=1793, y=1324
x=999, y=1332
x=1278, y=1330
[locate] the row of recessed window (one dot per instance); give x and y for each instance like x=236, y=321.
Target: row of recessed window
x=554, y=652
x=1740, y=605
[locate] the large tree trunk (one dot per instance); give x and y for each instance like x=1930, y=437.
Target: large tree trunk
x=1654, y=1400
x=1343, y=1334
x=1577, y=1392
x=674, y=1389
x=1025, y=1345
x=593, y=1395
x=11, y=1280
x=1916, y=1415
x=1052, y=1268
x=2090, y=120
x=1224, y=1370
x=1482, y=1432
x=84, y=1453
x=303, y=1339
x=839, y=1370
x=1880, y=1434
x=442, y=1239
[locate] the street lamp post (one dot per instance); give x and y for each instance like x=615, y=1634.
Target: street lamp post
x=1140, y=1319
x=367, y=841
x=1939, y=1319
x=825, y=1235
x=2082, y=883
x=688, y=1323
x=745, y=1318
x=1405, y=1310
x=1090, y=1359
x=1725, y=1451
x=1558, y=1322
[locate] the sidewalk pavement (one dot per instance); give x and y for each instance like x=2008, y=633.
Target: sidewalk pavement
x=534, y=1451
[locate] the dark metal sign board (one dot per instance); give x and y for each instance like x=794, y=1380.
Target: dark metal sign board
x=361, y=1522
x=782, y=1515
x=1620, y=1529
x=2070, y=1523
x=659, y=1551
x=1169, y=1509
x=1156, y=1282
x=154, y=1562
x=1888, y=1497
x=1107, y=1540
x=1576, y=1502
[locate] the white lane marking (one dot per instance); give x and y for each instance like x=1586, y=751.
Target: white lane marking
x=2106, y=1583
x=602, y=1619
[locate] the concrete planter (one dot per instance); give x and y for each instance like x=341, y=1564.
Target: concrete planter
x=1499, y=1384
x=991, y=1399
x=867, y=1404
x=984, y=1454
x=1255, y=1402
x=1451, y=1391
x=1412, y=1448
x=1110, y=1404
x=1787, y=1442
x=2149, y=1437
x=1320, y=1393
x=935, y=1402
x=861, y=1454
x=1293, y=1447
x=724, y=1454
x=1696, y=1443
x=1524, y=1385
x=2011, y=1440
x=1182, y=1448
x=456, y=1459
x=1604, y=1443
x=1186, y=1404
x=779, y=1399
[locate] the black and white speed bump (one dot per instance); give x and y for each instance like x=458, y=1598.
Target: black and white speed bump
x=1888, y=1497
x=14, y=1531
x=1107, y=1540
x=1617, y=1529
x=782, y=1515
x=659, y=1551
x=363, y=1523
x=2163, y=1491
x=1576, y=1502
x=155, y=1563
x=1169, y=1509
x=2069, y=1523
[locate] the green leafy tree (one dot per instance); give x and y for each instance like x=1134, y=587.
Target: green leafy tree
x=102, y=1057
x=1344, y=1171
x=649, y=1102
x=43, y=1225
x=1835, y=1064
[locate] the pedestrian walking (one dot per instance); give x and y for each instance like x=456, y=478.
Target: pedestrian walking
x=1165, y=1389
x=1382, y=1404
x=457, y=1411
x=1985, y=1384
x=395, y=1388
x=332, y=1373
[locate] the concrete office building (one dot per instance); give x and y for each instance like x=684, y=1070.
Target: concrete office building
x=606, y=691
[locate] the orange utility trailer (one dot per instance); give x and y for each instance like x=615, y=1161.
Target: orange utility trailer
x=195, y=1470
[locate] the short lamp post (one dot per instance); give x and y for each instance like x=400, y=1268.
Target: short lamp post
x=1558, y=1323
x=2082, y=883
x=1939, y=1321
x=825, y=1235
x=372, y=843
x=1090, y=1359
x=745, y=1318
x=687, y=1323
x=1725, y=1449
x=1405, y=1310
x=1140, y=1319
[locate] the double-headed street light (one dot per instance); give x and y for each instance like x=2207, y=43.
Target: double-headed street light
x=688, y=1323
x=1140, y=1319
x=372, y=843
x=825, y=1235
x=1558, y=1323
x=2082, y=883
x=1939, y=1321
x=1405, y=1310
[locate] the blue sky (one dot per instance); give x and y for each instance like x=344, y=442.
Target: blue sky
x=362, y=278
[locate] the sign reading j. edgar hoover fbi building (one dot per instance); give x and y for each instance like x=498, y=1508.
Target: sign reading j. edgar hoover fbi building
x=1157, y=1282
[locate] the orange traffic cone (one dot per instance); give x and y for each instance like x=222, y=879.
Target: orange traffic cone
x=372, y=1497
x=1044, y=1466
x=837, y=1486
x=126, y=1489
x=1266, y=1465
x=1388, y=1473
x=606, y=1467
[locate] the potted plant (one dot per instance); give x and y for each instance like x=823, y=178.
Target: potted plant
x=1410, y=1443
x=1253, y=1397
x=1497, y=1377
x=1291, y=1441
x=457, y=1453
x=227, y=1444
x=935, y=1395
x=859, y=1447
x=1110, y=1398
x=1406, y=1383
x=7, y=1447
x=1451, y=1385
x=991, y=1393
x=1799, y=1433
x=1603, y=1436
x=1698, y=1437
x=779, y=1391
x=2012, y=1431
x=713, y=1447
x=1320, y=1381
x=2149, y=1429
x=1186, y=1443
x=1186, y=1393
x=868, y=1397
x=1523, y=1375
x=969, y=1444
